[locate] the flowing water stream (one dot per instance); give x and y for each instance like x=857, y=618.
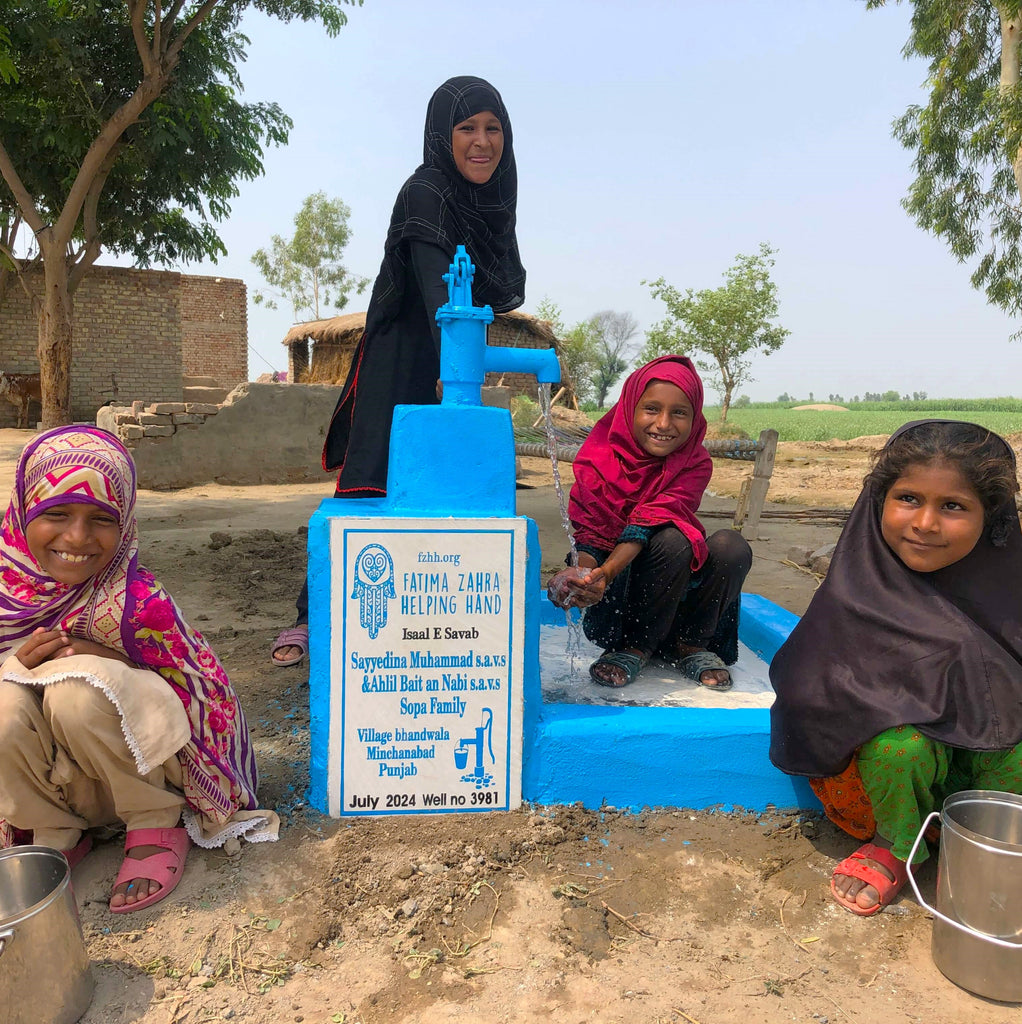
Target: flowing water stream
x=575, y=638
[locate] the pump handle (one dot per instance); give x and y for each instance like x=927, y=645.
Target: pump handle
x=459, y=278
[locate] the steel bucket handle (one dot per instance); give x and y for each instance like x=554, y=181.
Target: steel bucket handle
x=4, y=937
x=975, y=933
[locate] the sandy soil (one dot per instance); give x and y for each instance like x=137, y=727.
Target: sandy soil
x=543, y=914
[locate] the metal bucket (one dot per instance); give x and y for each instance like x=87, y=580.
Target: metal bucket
x=977, y=923
x=45, y=976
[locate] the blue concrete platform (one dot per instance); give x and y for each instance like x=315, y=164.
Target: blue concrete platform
x=634, y=757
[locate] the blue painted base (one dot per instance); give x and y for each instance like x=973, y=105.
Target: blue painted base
x=634, y=757
x=626, y=756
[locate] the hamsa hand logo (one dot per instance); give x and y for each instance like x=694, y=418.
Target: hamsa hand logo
x=374, y=586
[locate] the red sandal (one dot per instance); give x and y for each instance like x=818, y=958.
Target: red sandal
x=855, y=866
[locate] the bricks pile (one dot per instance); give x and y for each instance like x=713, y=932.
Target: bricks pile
x=154, y=423
x=816, y=561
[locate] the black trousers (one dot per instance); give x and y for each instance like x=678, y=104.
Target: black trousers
x=659, y=602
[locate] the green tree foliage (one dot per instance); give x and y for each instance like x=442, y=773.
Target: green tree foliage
x=576, y=347
x=581, y=349
x=967, y=139
x=726, y=324
x=594, y=351
x=121, y=129
x=8, y=72
x=306, y=268
x=611, y=334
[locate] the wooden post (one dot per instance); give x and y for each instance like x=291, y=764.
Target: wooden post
x=742, y=505
x=541, y=417
x=297, y=360
x=759, y=483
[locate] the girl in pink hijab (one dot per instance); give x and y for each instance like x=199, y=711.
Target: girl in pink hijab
x=650, y=580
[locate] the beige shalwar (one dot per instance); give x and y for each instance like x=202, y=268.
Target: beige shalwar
x=88, y=741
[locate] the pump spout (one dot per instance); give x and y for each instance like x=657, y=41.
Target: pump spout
x=465, y=358
x=542, y=363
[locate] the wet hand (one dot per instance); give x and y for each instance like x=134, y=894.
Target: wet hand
x=592, y=587
x=569, y=589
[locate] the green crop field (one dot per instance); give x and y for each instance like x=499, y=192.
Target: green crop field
x=1003, y=415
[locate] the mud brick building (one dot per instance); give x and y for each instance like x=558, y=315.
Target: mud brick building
x=333, y=343
x=136, y=334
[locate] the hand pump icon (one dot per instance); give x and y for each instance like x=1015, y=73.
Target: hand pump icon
x=483, y=735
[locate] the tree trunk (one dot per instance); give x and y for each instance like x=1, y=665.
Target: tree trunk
x=725, y=406
x=56, y=327
x=1011, y=36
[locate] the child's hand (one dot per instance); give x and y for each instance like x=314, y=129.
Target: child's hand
x=41, y=646
x=49, y=644
x=591, y=587
x=76, y=645
x=569, y=589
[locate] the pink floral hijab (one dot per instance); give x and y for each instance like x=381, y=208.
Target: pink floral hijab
x=123, y=608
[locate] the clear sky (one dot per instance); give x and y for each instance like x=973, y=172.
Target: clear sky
x=653, y=138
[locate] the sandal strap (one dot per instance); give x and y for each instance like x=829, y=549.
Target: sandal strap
x=153, y=868
x=630, y=664
x=855, y=867
x=882, y=855
x=296, y=636
x=694, y=665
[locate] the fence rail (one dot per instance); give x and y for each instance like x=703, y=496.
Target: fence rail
x=752, y=496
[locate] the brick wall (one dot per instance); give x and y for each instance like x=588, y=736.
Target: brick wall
x=133, y=330
x=214, y=329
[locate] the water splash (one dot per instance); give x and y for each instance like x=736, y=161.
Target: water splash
x=551, y=447
x=575, y=639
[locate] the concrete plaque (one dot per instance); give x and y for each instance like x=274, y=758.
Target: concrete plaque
x=426, y=664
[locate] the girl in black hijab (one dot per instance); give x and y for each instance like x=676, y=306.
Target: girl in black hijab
x=902, y=683
x=464, y=193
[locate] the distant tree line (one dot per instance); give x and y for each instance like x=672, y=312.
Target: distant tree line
x=868, y=396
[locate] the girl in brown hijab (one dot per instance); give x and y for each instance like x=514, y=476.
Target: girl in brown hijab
x=902, y=683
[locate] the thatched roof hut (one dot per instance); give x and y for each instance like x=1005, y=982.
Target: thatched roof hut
x=333, y=342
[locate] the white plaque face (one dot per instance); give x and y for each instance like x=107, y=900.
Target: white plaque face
x=428, y=636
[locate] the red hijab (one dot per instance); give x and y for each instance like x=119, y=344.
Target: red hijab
x=618, y=484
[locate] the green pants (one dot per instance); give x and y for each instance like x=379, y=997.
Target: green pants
x=906, y=776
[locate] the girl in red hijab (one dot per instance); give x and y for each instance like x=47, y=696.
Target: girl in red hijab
x=651, y=581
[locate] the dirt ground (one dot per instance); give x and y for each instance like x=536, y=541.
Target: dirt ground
x=547, y=913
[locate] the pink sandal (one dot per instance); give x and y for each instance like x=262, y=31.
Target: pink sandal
x=76, y=854
x=855, y=867
x=297, y=636
x=165, y=868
